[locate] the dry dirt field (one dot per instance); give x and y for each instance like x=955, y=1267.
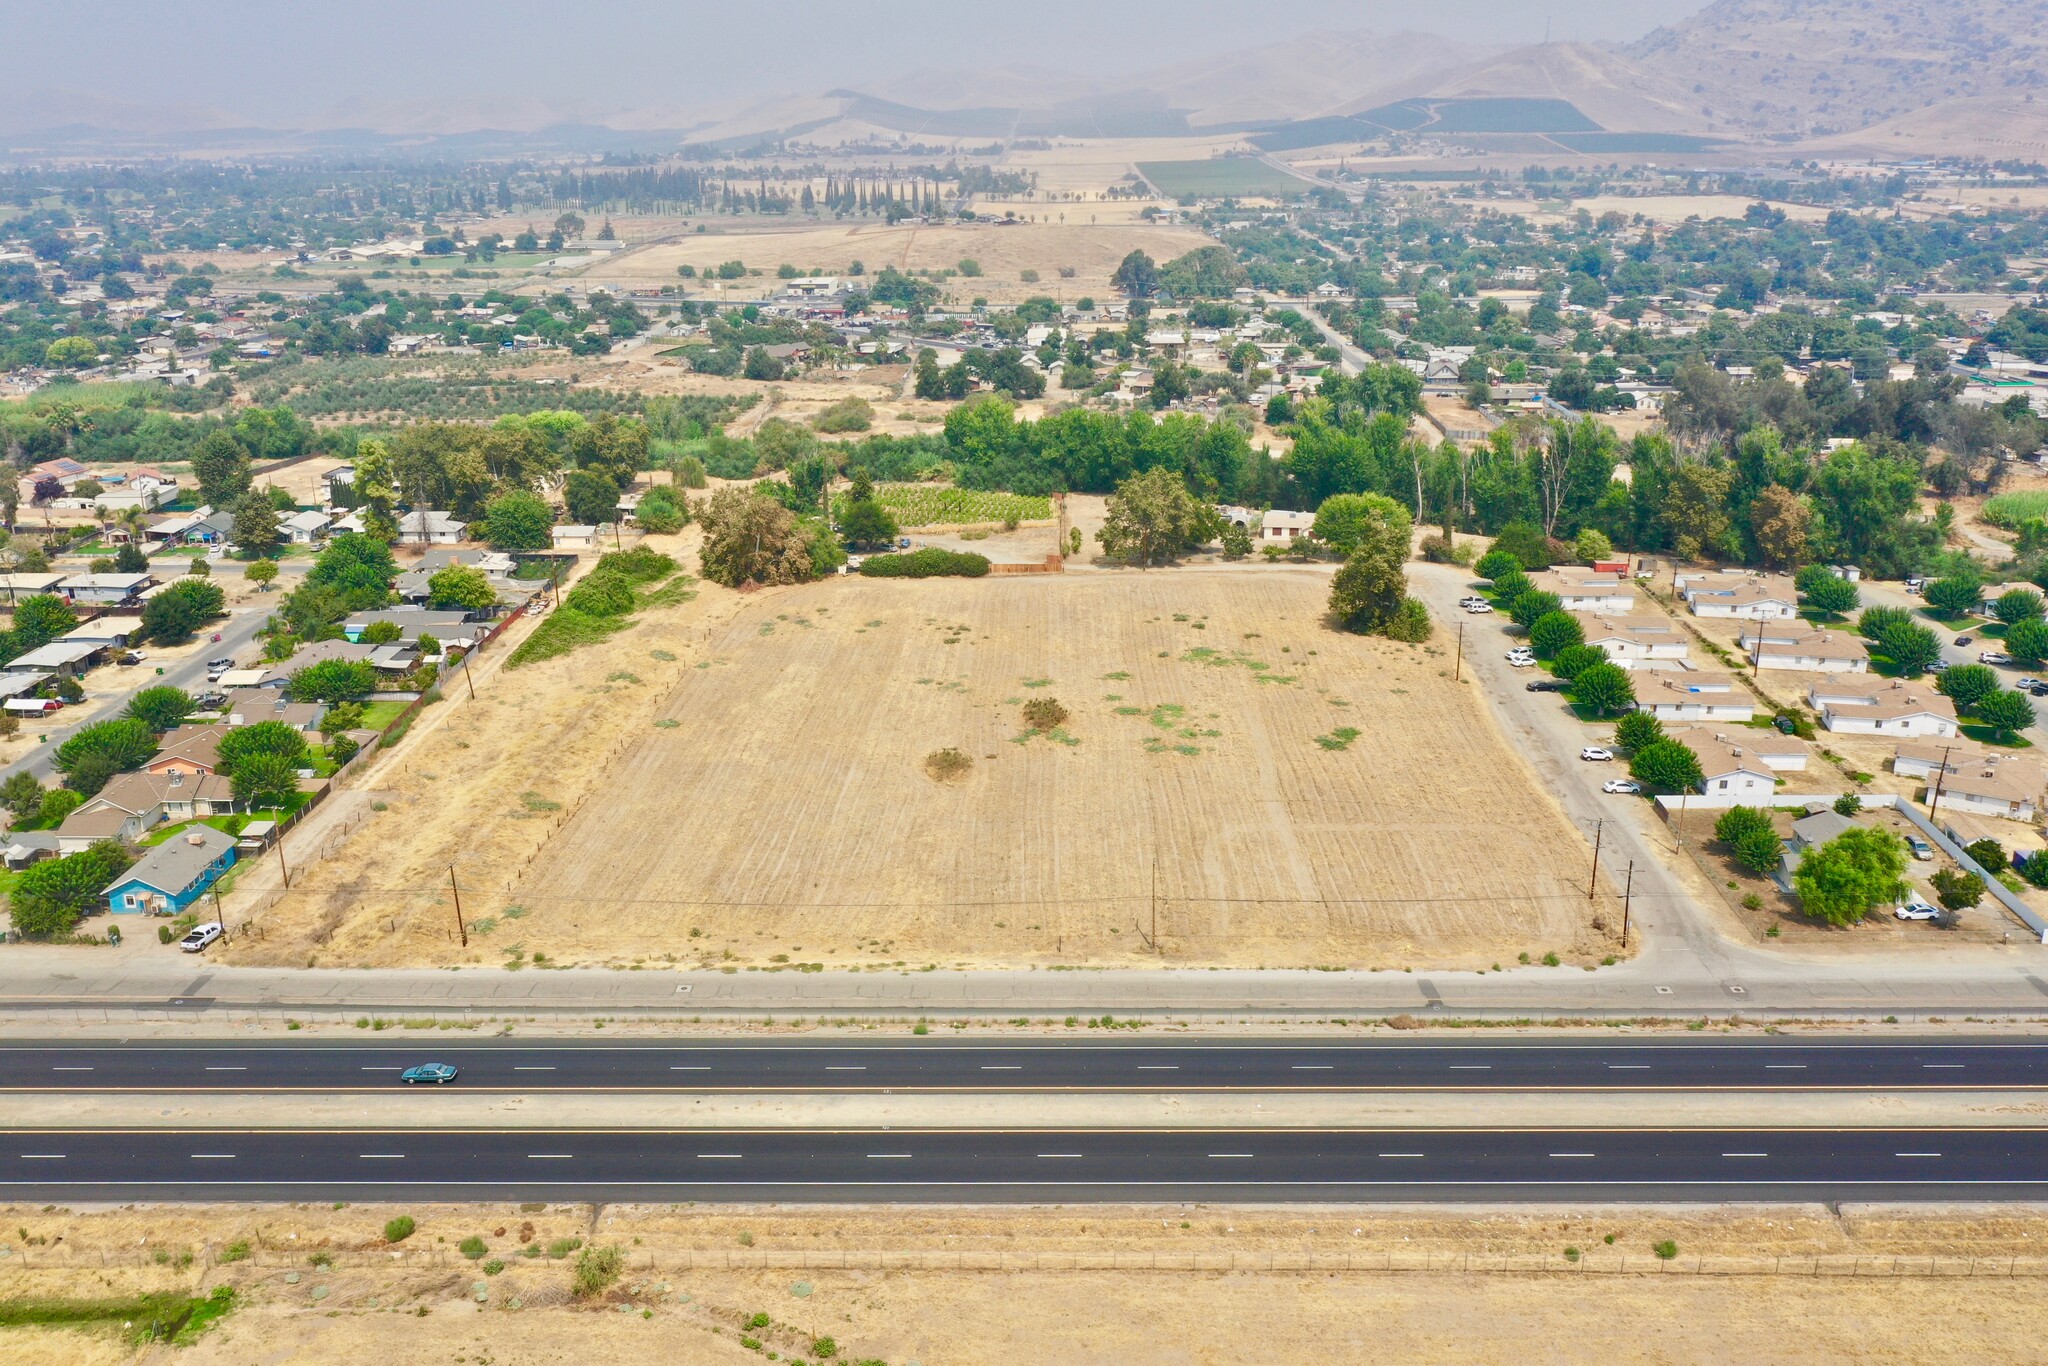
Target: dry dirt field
x=1034, y=1284
x=764, y=792
x=1093, y=251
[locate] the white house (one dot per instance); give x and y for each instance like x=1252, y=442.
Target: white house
x=1279, y=527
x=1638, y=642
x=304, y=528
x=426, y=526
x=2003, y=785
x=1866, y=704
x=1583, y=590
x=574, y=537
x=1729, y=768
x=1692, y=695
x=1837, y=652
x=1751, y=602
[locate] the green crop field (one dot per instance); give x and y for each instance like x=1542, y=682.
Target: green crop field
x=2010, y=509
x=1220, y=176
x=937, y=505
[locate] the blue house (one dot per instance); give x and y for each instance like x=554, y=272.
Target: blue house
x=171, y=876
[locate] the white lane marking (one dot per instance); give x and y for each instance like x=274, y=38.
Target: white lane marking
x=1745, y=1154
x=379, y=1156
x=1471, y=1067
x=846, y=1069
x=1233, y=1154
x=689, y=1069
x=533, y=1069
x=1916, y=1154
x=71, y=1069
x=1572, y=1154
x=383, y=1069
x=1784, y=1067
x=1159, y=1067
x=890, y=1156
x=200, y=1157
x=1060, y=1154
x=1002, y=1067
x=1313, y=1067
x=549, y=1156
x=1628, y=1067
x=227, y=1069
x=1944, y=1064
x=1400, y=1154
x=42, y=1157
x=719, y=1157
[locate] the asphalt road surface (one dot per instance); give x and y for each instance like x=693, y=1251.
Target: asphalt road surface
x=1910, y=1064
x=907, y=1166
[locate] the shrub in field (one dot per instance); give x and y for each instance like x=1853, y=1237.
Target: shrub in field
x=596, y=1270
x=472, y=1247
x=1044, y=713
x=399, y=1229
x=928, y=563
x=948, y=765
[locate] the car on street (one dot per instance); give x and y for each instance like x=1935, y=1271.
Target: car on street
x=1479, y=609
x=2028, y=684
x=210, y=701
x=1549, y=685
x=1623, y=786
x=1593, y=754
x=1470, y=599
x=199, y=936
x=1521, y=661
x=1939, y=666
x=225, y=662
x=1994, y=657
x=432, y=1073
x=1962, y=640
x=1914, y=908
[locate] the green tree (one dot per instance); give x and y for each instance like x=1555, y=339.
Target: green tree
x=2027, y=640
x=1345, y=520
x=1875, y=621
x=277, y=738
x=1511, y=585
x=1152, y=518
x=2006, y=712
x=173, y=615
x=592, y=496
x=129, y=559
x=1954, y=596
x=518, y=520
x=1553, y=632
x=1137, y=276
x=1495, y=563
x=222, y=467
x=40, y=619
x=1666, y=766
x=1527, y=607
x=256, y=530
x=332, y=681
x=1750, y=837
x=262, y=573
x=49, y=897
x=1526, y=542
x=659, y=512
x=265, y=780
x=1911, y=647
x=2018, y=605
x=1593, y=546
x=71, y=353
x=126, y=742
x=1604, y=690
x=1638, y=730
x=749, y=538
x=1832, y=596
x=22, y=795
x=1957, y=890
x=463, y=586
x=160, y=708
x=1967, y=684
x=1574, y=660
x=1695, y=509
x=867, y=522
x=1841, y=880
x=375, y=489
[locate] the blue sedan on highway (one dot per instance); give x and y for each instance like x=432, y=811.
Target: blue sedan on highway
x=436, y=1072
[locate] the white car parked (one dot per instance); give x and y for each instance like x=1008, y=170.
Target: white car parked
x=1593, y=754
x=1623, y=786
x=199, y=936
x=1994, y=657
x=1914, y=908
x=1479, y=609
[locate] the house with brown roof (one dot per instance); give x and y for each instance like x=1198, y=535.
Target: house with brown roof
x=1868, y=704
x=1730, y=766
x=1772, y=598
x=247, y=706
x=1815, y=651
x=1693, y=695
x=133, y=804
x=191, y=750
x=1638, y=642
x=2002, y=785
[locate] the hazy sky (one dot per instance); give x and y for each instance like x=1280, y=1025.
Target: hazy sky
x=278, y=62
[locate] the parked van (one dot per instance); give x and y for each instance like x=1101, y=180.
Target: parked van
x=31, y=706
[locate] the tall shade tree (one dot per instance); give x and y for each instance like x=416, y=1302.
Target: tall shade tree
x=2017, y=605
x=1666, y=766
x=2007, y=713
x=1604, y=690
x=1841, y=880
x=1153, y=519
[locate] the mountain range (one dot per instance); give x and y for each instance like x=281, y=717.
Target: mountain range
x=1909, y=76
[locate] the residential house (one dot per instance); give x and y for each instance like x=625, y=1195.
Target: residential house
x=574, y=537
x=1815, y=651
x=64, y=470
x=1867, y=704
x=1280, y=527
x=2002, y=785
x=414, y=622
x=388, y=659
x=1730, y=767
x=20, y=848
x=427, y=527
x=1693, y=695
x=68, y=658
x=1584, y=590
x=304, y=528
x=19, y=586
x=1641, y=642
x=133, y=804
x=1769, y=599
x=340, y=482
x=1925, y=758
x=173, y=875
x=1811, y=832
x=104, y=590
x=1776, y=752
x=191, y=750
x=247, y=706
x=415, y=583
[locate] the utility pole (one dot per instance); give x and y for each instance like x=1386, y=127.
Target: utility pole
x=460, y=928
x=1458, y=670
x=1627, y=891
x=1599, y=829
x=1934, y=801
x=282, y=866
x=466, y=656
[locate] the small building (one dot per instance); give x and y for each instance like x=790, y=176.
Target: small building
x=1867, y=704
x=1811, y=832
x=20, y=848
x=2002, y=785
x=68, y=659
x=247, y=706
x=1639, y=642
x=173, y=875
x=574, y=537
x=1730, y=768
x=428, y=527
x=1694, y=695
x=1814, y=651
x=19, y=586
x=104, y=589
x=1281, y=527
x=1584, y=590
x=304, y=528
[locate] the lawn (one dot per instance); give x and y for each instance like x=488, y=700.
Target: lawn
x=230, y=824
x=1219, y=177
x=378, y=715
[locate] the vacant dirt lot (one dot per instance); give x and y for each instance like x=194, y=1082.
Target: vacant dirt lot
x=1035, y=1284
x=764, y=792
x=1091, y=250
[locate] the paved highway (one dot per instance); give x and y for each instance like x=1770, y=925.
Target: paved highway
x=1912, y=1064
x=955, y=1165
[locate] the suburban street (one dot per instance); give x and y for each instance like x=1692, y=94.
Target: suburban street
x=920, y=1165
x=1913, y=1064
x=1887, y=594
